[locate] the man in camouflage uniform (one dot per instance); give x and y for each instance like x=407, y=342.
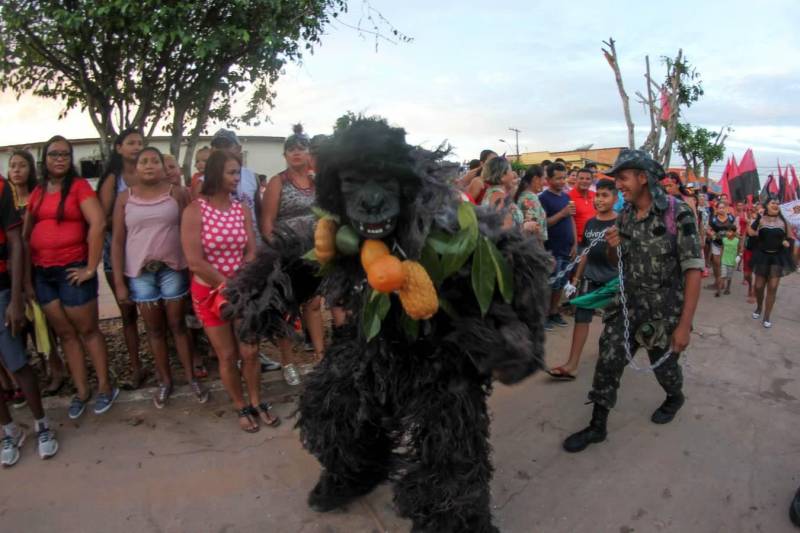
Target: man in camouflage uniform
x=660, y=247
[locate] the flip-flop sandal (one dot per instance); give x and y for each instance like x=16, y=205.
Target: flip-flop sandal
x=131, y=385
x=247, y=412
x=54, y=392
x=559, y=374
x=268, y=418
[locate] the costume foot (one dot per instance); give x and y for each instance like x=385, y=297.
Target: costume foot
x=596, y=432
x=668, y=409
x=794, y=509
x=329, y=494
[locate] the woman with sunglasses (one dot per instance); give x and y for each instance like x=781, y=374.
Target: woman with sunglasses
x=64, y=228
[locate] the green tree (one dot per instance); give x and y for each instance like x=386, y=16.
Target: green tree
x=146, y=62
x=699, y=147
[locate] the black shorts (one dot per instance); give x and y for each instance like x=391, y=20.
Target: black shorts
x=584, y=316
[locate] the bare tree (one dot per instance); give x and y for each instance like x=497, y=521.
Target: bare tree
x=611, y=57
x=662, y=101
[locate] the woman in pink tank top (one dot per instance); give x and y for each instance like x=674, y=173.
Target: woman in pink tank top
x=149, y=267
x=218, y=238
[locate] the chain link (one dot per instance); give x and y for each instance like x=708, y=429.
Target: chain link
x=566, y=270
x=623, y=300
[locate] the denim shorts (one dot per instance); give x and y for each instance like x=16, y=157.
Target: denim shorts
x=50, y=284
x=12, y=349
x=163, y=284
x=561, y=264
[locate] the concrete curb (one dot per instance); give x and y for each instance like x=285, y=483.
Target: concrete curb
x=278, y=392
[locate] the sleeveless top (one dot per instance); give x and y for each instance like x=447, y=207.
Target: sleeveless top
x=294, y=211
x=223, y=236
x=771, y=234
x=153, y=233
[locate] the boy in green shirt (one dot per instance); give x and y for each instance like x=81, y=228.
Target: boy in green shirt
x=731, y=255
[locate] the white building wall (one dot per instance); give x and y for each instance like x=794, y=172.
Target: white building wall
x=263, y=155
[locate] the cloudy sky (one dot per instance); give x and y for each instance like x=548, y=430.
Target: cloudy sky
x=475, y=69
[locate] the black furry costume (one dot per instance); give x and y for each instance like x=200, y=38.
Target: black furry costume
x=391, y=408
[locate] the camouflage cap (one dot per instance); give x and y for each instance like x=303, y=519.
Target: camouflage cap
x=641, y=160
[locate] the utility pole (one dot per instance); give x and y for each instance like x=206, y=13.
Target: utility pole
x=516, y=133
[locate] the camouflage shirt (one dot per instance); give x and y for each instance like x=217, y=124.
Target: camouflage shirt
x=656, y=250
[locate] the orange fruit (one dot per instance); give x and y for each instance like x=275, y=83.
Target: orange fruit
x=418, y=295
x=371, y=250
x=386, y=274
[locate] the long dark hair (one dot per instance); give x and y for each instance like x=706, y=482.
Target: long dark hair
x=533, y=171
x=31, y=181
x=66, y=182
x=115, y=164
x=777, y=200
x=215, y=168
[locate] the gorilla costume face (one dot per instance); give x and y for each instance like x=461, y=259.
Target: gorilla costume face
x=410, y=410
x=365, y=177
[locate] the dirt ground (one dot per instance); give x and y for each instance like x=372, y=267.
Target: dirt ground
x=730, y=462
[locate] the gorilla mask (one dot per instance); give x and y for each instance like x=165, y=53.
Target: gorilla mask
x=366, y=176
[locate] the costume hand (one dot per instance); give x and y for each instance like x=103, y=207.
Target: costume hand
x=76, y=276
x=680, y=339
x=612, y=236
x=15, y=317
x=570, y=289
x=738, y=259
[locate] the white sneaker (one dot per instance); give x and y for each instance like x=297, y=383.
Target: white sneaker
x=756, y=316
x=48, y=445
x=291, y=375
x=767, y=324
x=11, y=445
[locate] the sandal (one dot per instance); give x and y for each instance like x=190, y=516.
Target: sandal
x=559, y=373
x=263, y=413
x=136, y=381
x=246, y=421
x=54, y=391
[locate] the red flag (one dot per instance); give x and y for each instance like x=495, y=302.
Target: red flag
x=745, y=184
x=780, y=172
x=795, y=184
x=772, y=185
x=726, y=175
x=666, y=109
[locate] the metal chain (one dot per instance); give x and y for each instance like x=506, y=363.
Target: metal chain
x=623, y=300
x=556, y=277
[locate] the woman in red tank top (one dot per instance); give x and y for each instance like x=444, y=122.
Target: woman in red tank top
x=218, y=238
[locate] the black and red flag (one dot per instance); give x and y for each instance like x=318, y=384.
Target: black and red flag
x=744, y=185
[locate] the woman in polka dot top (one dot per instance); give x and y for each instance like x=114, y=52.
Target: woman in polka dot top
x=218, y=238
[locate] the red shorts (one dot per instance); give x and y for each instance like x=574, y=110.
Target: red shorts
x=202, y=301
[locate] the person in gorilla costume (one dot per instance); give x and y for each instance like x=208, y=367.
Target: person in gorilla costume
x=406, y=408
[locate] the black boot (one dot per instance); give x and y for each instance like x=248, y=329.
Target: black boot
x=596, y=432
x=668, y=409
x=794, y=509
x=331, y=493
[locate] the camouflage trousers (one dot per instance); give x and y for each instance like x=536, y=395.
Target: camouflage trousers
x=612, y=362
